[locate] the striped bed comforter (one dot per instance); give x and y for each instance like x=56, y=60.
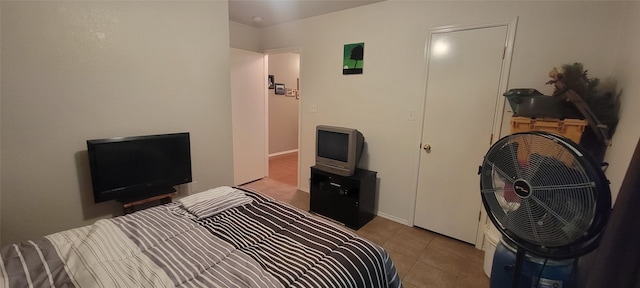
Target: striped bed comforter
x=260, y=244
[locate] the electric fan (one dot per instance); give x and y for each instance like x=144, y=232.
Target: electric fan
x=546, y=195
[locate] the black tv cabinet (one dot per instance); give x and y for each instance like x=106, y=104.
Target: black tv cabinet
x=348, y=200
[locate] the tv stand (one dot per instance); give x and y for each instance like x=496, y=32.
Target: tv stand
x=346, y=199
x=132, y=205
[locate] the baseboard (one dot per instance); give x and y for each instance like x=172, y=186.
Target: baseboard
x=393, y=218
x=283, y=153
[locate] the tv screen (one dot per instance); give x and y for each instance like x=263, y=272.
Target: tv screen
x=333, y=145
x=338, y=149
x=131, y=168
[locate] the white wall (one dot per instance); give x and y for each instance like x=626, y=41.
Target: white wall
x=244, y=37
x=283, y=110
x=379, y=101
x=625, y=71
x=73, y=71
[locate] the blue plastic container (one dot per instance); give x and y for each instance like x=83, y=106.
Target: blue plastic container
x=556, y=274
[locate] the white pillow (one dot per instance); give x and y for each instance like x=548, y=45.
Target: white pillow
x=206, y=195
x=214, y=201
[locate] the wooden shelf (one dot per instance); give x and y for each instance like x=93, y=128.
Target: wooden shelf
x=130, y=207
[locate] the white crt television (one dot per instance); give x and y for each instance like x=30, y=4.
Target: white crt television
x=338, y=149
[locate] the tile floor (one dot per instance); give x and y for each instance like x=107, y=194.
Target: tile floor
x=422, y=258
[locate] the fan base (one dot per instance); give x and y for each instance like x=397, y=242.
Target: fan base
x=560, y=274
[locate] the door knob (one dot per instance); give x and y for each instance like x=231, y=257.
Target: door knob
x=427, y=147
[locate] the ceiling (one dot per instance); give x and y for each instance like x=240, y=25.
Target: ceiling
x=272, y=12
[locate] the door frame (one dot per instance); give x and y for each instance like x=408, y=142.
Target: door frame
x=511, y=25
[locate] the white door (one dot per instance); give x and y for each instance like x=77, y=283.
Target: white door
x=248, y=104
x=463, y=83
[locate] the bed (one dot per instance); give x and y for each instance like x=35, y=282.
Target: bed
x=224, y=237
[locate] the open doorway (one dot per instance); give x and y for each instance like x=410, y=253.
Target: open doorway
x=283, y=116
x=283, y=127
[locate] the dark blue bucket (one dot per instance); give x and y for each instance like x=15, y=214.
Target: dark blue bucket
x=552, y=274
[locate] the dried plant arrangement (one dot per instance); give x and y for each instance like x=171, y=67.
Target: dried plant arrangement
x=605, y=105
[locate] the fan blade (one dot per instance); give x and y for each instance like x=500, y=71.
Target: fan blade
x=495, y=167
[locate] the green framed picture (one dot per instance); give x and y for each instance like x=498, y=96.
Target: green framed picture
x=353, y=60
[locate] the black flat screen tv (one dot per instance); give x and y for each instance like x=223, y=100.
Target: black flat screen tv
x=338, y=149
x=132, y=168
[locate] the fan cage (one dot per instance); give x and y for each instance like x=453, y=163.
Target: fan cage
x=544, y=193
